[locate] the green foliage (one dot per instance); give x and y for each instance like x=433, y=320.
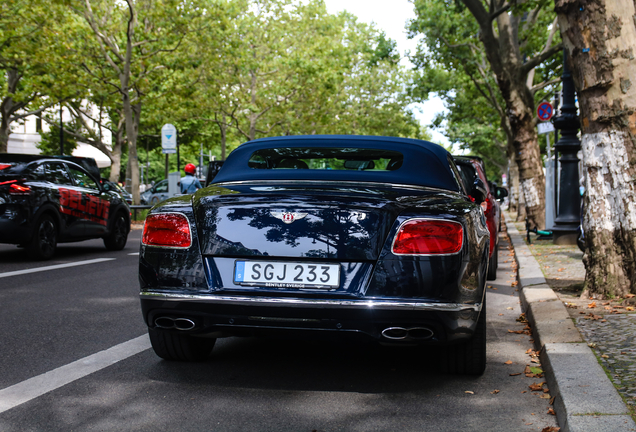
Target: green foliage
x=50, y=141
x=451, y=63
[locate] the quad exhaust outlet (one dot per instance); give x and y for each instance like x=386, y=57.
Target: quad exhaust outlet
x=175, y=323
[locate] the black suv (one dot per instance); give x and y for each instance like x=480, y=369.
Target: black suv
x=46, y=200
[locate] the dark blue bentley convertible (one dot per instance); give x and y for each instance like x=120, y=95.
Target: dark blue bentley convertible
x=373, y=237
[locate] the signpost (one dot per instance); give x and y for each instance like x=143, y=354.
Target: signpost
x=169, y=144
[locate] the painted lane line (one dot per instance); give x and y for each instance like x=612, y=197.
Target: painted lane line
x=54, y=267
x=32, y=388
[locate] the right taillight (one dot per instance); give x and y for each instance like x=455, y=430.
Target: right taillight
x=428, y=237
x=167, y=230
x=3, y=166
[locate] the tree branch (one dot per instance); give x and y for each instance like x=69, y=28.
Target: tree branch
x=536, y=61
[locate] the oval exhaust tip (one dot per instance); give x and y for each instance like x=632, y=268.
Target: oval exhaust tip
x=420, y=333
x=184, y=324
x=164, y=322
x=395, y=333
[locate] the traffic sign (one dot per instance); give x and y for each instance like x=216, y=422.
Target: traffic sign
x=168, y=139
x=545, y=111
x=545, y=127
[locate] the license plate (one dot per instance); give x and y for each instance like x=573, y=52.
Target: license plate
x=287, y=274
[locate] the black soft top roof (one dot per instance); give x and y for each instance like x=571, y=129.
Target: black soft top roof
x=424, y=163
x=88, y=164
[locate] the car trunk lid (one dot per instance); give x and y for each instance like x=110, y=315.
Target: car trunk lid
x=292, y=222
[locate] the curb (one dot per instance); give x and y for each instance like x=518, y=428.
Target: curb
x=584, y=398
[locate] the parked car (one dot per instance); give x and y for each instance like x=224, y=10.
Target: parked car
x=369, y=237
x=112, y=186
x=473, y=168
x=45, y=201
x=213, y=169
x=155, y=194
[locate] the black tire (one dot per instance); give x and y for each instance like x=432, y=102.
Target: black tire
x=180, y=347
x=493, y=263
x=44, y=241
x=469, y=358
x=116, y=239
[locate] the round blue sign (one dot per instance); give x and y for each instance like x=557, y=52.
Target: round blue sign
x=545, y=111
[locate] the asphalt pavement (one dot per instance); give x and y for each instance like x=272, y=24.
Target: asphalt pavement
x=75, y=356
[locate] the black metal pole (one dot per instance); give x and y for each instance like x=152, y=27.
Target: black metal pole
x=568, y=213
x=61, y=133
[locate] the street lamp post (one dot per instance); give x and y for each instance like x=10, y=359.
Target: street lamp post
x=568, y=145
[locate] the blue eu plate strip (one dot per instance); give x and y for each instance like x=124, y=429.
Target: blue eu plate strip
x=239, y=271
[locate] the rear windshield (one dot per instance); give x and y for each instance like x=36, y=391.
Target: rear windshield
x=335, y=158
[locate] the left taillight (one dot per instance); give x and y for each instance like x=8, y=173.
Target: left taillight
x=15, y=188
x=167, y=230
x=428, y=237
x=3, y=166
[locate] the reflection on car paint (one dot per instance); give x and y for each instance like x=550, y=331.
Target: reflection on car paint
x=84, y=206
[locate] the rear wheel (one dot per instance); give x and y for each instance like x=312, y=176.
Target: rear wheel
x=493, y=263
x=469, y=358
x=44, y=241
x=181, y=347
x=116, y=239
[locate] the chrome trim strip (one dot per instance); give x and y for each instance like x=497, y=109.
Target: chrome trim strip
x=334, y=183
x=319, y=303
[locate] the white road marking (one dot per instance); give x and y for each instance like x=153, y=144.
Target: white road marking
x=134, y=253
x=54, y=267
x=32, y=388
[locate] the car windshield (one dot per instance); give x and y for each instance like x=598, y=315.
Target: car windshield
x=336, y=158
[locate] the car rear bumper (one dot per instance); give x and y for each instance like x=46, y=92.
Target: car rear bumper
x=13, y=231
x=428, y=323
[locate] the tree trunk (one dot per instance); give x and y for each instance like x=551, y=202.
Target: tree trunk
x=4, y=135
x=115, y=157
x=531, y=177
x=7, y=108
x=600, y=37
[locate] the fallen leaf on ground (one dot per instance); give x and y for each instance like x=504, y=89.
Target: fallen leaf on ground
x=515, y=374
x=630, y=295
x=494, y=392
x=604, y=356
x=551, y=411
x=551, y=429
x=509, y=362
x=516, y=331
x=536, y=386
x=591, y=305
x=469, y=392
x=629, y=308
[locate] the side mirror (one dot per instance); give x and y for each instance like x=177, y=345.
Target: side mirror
x=106, y=186
x=500, y=193
x=478, y=191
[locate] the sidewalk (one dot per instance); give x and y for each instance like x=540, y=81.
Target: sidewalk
x=567, y=328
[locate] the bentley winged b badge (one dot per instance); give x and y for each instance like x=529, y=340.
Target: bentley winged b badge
x=288, y=217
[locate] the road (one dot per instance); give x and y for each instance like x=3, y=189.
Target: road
x=74, y=356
